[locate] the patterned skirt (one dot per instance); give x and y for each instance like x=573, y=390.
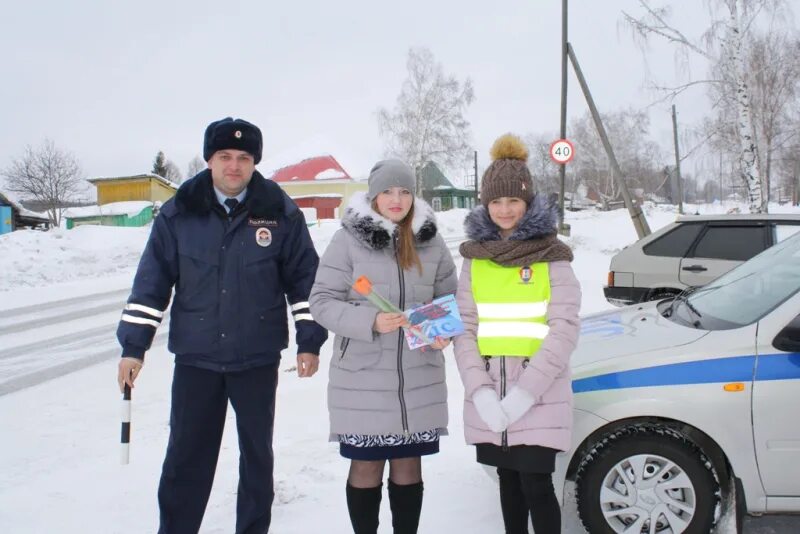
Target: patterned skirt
x=388, y=446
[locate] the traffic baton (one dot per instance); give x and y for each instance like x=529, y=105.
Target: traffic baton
x=125, y=437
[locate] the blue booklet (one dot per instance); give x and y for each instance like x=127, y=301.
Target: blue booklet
x=437, y=318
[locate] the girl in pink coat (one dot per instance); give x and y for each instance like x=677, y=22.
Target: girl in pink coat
x=519, y=300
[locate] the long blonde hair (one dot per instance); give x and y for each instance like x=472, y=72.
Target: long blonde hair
x=407, y=256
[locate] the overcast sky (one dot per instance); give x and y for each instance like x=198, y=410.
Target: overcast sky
x=115, y=82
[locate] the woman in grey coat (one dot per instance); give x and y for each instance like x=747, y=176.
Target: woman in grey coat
x=386, y=402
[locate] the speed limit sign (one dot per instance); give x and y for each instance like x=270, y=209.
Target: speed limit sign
x=562, y=151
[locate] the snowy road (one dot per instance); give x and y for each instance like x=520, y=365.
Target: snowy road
x=43, y=341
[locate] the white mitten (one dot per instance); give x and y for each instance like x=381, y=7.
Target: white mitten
x=516, y=404
x=487, y=403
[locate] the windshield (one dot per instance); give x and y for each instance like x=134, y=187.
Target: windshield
x=747, y=293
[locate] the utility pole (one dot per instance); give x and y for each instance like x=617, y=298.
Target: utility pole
x=677, y=160
x=562, y=171
x=635, y=211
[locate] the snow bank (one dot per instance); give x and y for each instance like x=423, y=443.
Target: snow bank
x=130, y=208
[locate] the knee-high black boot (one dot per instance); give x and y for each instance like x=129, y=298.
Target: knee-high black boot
x=512, y=502
x=364, y=504
x=406, y=503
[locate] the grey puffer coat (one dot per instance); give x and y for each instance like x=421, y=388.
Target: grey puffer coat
x=377, y=385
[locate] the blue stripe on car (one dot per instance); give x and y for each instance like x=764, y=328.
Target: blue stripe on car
x=781, y=366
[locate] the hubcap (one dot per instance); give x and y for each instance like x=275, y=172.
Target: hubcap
x=647, y=493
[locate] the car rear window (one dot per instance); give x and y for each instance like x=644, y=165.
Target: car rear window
x=737, y=243
x=675, y=243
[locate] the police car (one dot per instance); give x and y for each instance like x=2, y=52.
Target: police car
x=680, y=403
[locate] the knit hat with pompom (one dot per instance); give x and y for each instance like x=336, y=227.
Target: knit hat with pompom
x=508, y=174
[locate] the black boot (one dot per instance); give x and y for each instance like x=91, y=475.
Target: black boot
x=406, y=503
x=364, y=504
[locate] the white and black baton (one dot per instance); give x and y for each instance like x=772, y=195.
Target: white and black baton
x=125, y=437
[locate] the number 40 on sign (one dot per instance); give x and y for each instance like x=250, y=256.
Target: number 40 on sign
x=562, y=151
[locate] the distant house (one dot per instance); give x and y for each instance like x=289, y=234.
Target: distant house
x=14, y=217
x=608, y=203
x=440, y=192
x=320, y=183
x=144, y=187
x=123, y=201
x=577, y=200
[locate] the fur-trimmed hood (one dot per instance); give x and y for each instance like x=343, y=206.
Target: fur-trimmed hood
x=376, y=231
x=540, y=220
x=264, y=197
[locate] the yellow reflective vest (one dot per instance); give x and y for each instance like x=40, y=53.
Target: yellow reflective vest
x=512, y=307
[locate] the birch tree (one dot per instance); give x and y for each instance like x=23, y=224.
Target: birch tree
x=47, y=174
x=774, y=68
x=428, y=121
x=724, y=44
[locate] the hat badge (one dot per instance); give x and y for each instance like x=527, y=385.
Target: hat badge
x=237, y=134
x=523, y=186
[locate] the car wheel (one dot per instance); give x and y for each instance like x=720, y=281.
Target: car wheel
x=646, y=478
x=659, y=294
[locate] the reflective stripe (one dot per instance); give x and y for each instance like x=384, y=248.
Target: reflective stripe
x=299, y=306
x=512, y=329
x=146, y=309
x=303, y=317
x=139, y=320
x=509, y=310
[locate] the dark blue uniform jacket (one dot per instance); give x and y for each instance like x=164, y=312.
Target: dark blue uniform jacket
x=231, y=289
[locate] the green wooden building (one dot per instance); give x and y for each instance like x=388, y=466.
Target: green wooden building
x=440, y=192
x=116, y=214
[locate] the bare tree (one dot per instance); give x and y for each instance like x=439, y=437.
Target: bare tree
x=773, y=71
x=638, y=156
x=774, y=67
x=47, y=174
x=428, y=122
x=724, y=44
x=541, y=165
x=196, y=165
x=788, y=168
x=173, y=173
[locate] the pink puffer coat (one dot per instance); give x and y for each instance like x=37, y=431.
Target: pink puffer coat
x=546, y=375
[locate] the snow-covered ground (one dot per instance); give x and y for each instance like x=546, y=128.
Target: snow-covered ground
x=59, y=458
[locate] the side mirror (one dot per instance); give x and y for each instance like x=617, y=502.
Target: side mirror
x=788, y=339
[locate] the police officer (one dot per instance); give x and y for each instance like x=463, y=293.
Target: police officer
x=235, y=247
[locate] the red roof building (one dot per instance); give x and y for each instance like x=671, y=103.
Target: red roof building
x=317, y=168
x=319, y=182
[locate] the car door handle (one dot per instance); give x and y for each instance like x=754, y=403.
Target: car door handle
x=695, y=268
